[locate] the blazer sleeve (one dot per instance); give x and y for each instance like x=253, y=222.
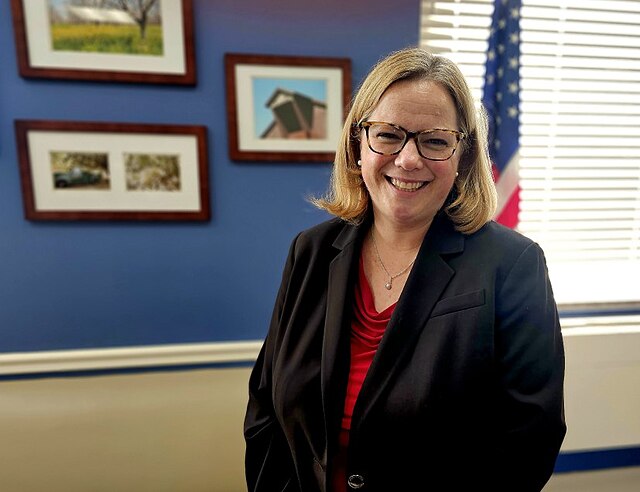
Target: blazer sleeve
x=530, y=358
x=268, y=461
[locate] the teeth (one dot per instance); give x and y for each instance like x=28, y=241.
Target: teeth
x=405, y=186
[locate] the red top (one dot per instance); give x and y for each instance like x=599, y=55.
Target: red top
x=367, y=329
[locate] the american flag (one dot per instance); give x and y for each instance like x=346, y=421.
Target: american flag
x=501, y=98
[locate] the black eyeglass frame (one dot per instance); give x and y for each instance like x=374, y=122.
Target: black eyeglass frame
x=412, y=135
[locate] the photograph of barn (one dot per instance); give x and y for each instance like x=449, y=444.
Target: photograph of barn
x=91, y=15
x=296, y=115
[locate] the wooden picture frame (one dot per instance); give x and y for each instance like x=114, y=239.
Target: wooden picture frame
x=113, y=171
x=285, y=108
x=60, y=41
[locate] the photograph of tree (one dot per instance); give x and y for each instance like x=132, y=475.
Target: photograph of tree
x=152, y=172
x=80, y=170
x=131, y=27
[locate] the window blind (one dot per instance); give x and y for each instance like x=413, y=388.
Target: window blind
x=580, y=134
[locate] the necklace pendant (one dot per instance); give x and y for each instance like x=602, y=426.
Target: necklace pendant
x=388, y=285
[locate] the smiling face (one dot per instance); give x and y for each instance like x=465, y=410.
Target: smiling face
x=406, y=189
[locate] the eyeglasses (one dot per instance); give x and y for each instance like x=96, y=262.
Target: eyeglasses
x=437, y=144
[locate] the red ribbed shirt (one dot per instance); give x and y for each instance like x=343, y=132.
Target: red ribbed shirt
x=367, y=328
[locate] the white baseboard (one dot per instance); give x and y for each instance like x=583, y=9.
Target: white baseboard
x=128, y=357
x=48, y=361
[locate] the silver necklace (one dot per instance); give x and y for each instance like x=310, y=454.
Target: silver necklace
x=389, y=283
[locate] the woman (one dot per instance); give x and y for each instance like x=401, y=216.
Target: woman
x=414, y=344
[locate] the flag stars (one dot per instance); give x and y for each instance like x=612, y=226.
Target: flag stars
x=501, y=94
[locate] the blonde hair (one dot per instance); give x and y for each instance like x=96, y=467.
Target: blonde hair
x=472, y=201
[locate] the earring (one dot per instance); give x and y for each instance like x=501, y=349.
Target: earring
x=359, y=163
x=457, y=174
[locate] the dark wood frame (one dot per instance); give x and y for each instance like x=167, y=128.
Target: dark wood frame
x=28, y=71
x=233, y=59
x=23, y=127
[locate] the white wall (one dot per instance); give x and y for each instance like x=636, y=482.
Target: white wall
x=602, y=388
x=182, y=430
x=176, y=432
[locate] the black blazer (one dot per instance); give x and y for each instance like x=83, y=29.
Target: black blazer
x=465, y=392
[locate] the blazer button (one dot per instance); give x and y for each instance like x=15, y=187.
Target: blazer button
x=356, y=481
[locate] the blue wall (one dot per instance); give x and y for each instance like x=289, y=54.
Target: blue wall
x=84, y=284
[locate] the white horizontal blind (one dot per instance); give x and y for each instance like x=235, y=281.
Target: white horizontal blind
x=580, y=132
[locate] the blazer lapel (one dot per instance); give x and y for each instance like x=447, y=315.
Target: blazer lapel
x=336, y=348
x=428, y=279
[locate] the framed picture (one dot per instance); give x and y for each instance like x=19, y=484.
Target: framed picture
x=285, y=108
x=147, y=41
x=112, y=171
